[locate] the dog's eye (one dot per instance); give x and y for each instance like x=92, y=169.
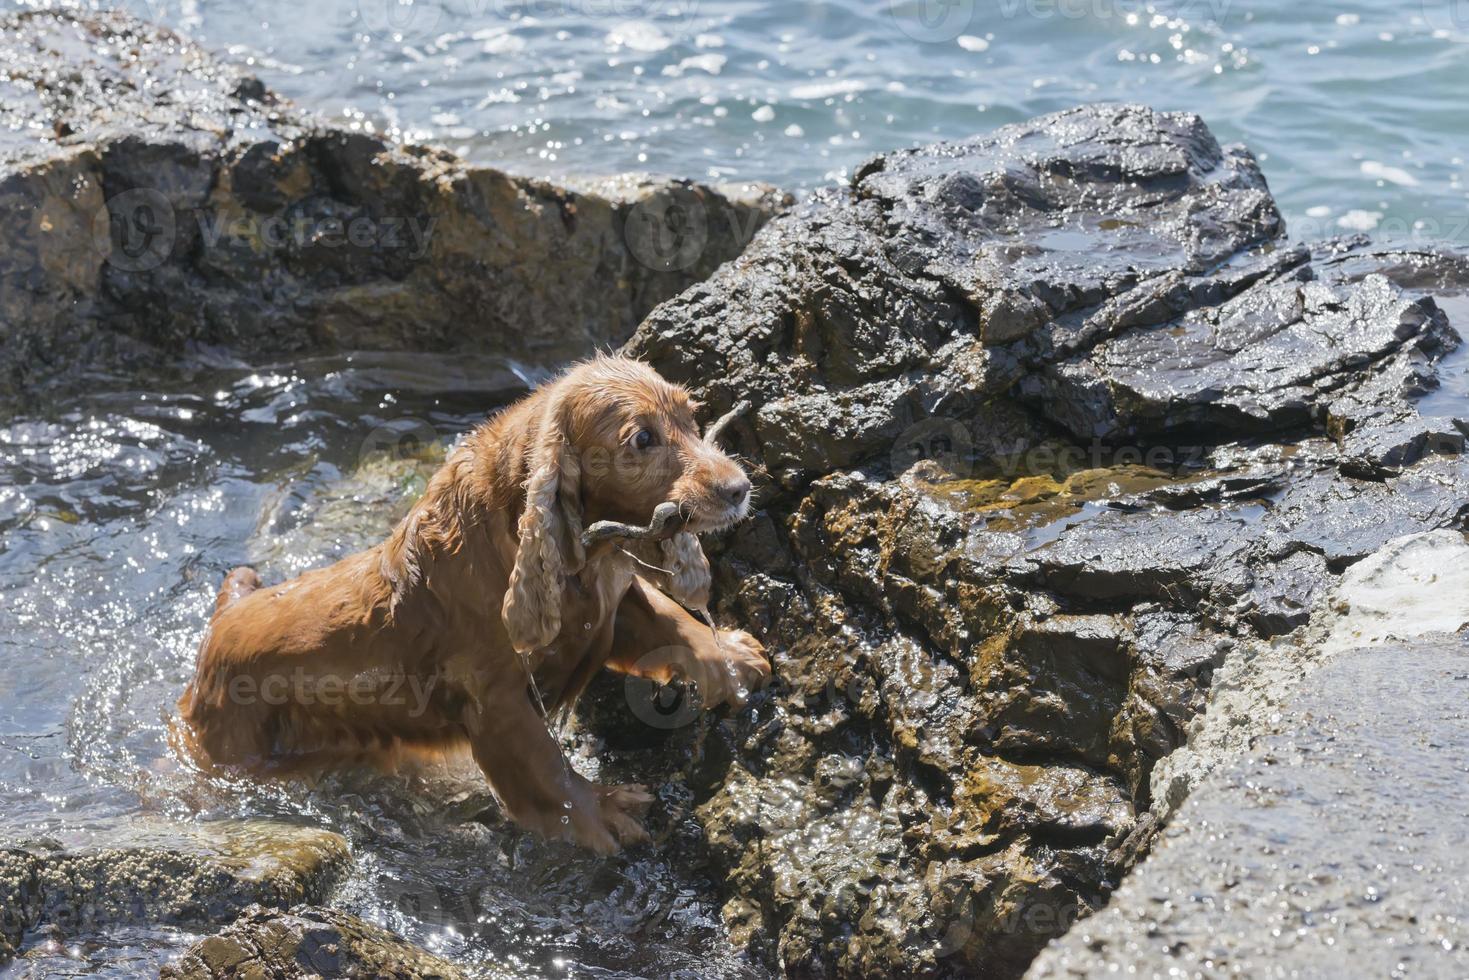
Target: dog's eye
x=644, y=438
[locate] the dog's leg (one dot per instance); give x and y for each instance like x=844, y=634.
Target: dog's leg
x=539, y=789
x=656, y=638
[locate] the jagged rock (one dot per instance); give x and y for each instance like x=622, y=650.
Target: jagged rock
x=1345, y=519
x=879, y=307
x=1269, y=359
x=1011, y=402
x=155, y=197
x=1173, y=660
x=308, y=942
x=20, y=898
x=155, y=873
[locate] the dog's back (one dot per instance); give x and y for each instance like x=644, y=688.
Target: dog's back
x=285, y=673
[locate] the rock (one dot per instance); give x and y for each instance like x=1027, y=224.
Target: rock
x=307, y=942
x=156, y=873
x=1330, y=851
x=20, y=898
x=157, y=198
x=1271, y=358
x=877, y=308
x=1004, y=560
x=1173, y=664
x=982, y=216
x=1410, y=587
x=1414, y=585
x=1345, y=519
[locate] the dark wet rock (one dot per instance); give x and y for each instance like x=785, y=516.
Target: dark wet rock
x=1332, y=851
x=1122, y=556
x=154, y=873
x=308, y=942
x=1056, y=686
x=1285, y=590
x=1269, y=359
x=154, y=198
x=1345, y=519
x=1172, y=664
x=1430, y=270
x=895, y=302
x=1046, y=217
x=1047, y=423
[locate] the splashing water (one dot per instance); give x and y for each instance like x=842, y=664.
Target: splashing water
x=741, y=692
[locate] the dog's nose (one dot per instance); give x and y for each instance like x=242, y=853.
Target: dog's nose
x=735, y=491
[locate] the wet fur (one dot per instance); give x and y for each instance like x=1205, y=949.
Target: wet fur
x=434, y=632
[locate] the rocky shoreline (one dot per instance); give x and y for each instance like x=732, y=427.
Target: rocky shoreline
x=155, y=199
x=1065, y=457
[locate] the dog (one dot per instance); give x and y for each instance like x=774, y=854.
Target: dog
x=484, y=613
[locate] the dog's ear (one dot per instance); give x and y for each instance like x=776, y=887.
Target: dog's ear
x=689, y=578
x=549, y=533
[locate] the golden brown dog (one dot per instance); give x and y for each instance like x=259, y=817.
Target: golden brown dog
x=431, y=638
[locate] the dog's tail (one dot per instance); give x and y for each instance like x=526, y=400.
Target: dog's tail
x=239, y=583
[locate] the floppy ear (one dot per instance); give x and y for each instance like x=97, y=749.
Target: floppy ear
x=690, y=579
x=549, y=535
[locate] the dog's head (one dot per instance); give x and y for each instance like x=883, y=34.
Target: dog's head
x=612, y=440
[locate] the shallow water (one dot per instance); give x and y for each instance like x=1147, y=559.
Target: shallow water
x=1355, y=108
x=119, y=512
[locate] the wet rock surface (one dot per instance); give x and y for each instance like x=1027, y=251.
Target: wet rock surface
x=156, y=873
x=1333, y=850
x=1049, y=424
x=154, y=199
x=308, y=942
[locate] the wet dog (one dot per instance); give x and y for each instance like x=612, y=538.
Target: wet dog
x=484, y=612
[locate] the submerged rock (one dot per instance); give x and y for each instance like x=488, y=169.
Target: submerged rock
x=1048, y=422
x=308, y=942
x=153, y=198
x=157, y=873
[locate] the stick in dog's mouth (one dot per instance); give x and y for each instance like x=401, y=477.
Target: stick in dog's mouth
x=666, y=523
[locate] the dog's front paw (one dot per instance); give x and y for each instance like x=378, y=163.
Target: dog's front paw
x=622, y=809
x=606, y=819
x=736, y=669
